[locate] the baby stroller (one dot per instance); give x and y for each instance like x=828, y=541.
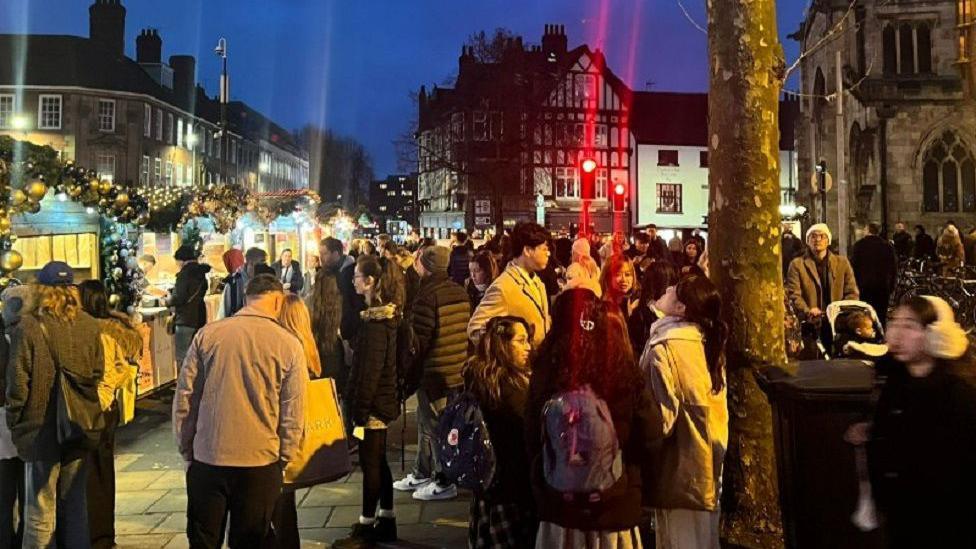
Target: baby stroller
x=847, y=342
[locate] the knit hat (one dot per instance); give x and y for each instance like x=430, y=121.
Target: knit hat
x=820, y=228
x=435, y=259
x=233, y=260
x=186, y=252
x=56, y=273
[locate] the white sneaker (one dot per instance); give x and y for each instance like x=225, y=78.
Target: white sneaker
x=432, y=491
x=410, y=483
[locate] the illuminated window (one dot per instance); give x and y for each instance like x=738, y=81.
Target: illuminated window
x=668, y=198
x=49, y=112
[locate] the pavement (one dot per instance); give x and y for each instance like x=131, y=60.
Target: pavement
x=150, y=506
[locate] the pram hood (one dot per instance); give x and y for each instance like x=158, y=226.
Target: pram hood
x=835, y=309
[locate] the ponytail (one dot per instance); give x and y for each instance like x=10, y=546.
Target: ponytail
x=703, y=306
x=388, y=279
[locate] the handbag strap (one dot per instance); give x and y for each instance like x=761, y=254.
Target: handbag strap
x=50, y=348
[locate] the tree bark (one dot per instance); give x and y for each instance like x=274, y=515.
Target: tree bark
x=746, y=66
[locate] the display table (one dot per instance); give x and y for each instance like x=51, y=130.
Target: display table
x=157, y=367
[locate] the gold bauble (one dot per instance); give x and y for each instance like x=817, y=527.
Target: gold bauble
x=93, y=184
x=36, y=190
x=18, y=197
x=75, y=191
x=105, y=187
x=10, y=261
x=142, y=219
x=114, y=299
x=121, y=200
x=103, y=203
x=4, y=224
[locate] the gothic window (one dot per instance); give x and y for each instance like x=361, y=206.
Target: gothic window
x=890, y=50
x=948, y=176
x=924, y=42
x=906, y=50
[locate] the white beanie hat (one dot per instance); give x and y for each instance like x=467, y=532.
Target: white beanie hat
x=821, y=228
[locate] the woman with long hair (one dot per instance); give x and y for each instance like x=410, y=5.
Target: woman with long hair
x=484, y=270
x=122, y=346
x=620, y=285
x=921, y=442
x=588, y=347
x=371, y=394
x=295, y=318
x=658, y=277
x=685, y=365
x=498, y=376
x=325, y=313
x=56, y=340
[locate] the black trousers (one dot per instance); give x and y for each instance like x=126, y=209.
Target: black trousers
x=285, y=521
x=377, y=478
x=101, y=486
x=247, y=494
x=11, y=494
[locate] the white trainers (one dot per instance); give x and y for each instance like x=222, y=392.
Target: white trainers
x=432, y=491
x=410, y=483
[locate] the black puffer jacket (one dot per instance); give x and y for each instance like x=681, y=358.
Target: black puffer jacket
x=187, y=297
x=439, y=315
x=458, y=269
x=372, y=387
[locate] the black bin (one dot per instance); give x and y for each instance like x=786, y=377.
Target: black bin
x=818, y=481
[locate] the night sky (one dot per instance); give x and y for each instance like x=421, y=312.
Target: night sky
x=350, y=64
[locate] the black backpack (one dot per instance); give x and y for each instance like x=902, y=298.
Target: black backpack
x=466, y=455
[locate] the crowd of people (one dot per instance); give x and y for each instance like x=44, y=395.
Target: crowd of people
x=597, y=368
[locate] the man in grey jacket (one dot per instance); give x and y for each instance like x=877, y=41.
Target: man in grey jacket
x=238, y=416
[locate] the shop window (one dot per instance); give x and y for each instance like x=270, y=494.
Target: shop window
x=667, y=158
x=669, y=198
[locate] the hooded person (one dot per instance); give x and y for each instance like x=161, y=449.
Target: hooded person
x=232, y=286
x=190, y=312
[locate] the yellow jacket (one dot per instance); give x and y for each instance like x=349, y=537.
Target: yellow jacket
x=119, y=374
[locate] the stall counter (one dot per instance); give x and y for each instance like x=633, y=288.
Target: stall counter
x=157, y=368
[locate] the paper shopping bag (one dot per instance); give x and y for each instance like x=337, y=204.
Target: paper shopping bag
x=324, y=453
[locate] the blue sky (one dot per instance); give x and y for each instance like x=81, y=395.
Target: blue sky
x=349, y=64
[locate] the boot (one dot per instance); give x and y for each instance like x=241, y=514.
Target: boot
x=386, y=530
x=361, y=536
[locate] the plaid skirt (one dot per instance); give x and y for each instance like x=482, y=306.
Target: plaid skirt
x=553, y=536
x=500, y=526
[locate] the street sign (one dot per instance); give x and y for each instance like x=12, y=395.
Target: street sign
x=815, y=184
x=482, y=207
x=482, y=220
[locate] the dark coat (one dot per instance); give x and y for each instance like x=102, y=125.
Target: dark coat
x=439, y=316
x=903, y=244
x=232, y=287
x=791, y=248
x=31, y=412
x=922, y=456
x=924, y=246
x=187, y=297
x=638, y=424
x=458, y=269
x=371, y=390
x=474, y=294
x=875, y=265
x=352, y=302
x=658, y=249
x=804, y=287
x=296, y=279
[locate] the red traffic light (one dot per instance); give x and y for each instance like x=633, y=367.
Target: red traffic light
x=619, y=189
x=588, y=165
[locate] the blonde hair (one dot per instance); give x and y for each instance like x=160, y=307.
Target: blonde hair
x=61, y=303
x=295, y=318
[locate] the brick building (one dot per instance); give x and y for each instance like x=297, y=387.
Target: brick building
x=907, y=130
x=392, y=202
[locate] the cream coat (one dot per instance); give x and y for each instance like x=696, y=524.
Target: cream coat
x=514, y=293
x=688, y=469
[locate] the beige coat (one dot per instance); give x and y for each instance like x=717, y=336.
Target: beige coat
x=687, y=471
x=803, y=283
x=514, y=293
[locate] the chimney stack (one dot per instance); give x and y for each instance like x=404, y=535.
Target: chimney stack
x=106, y=25
x=149, y=47
x=554, y=40
x=184, y=80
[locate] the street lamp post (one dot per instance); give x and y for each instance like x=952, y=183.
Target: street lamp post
x=221, y=51
x=191, y=141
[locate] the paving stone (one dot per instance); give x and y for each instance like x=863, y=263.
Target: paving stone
x=143, y=541
x=432, y=536
x=344, y=516
x=322, y=537
x=408, y=513
x=124, y=460
x=130, y=481
x=136, y=503
x=173, y=502
x=449, y=513
x=313, y=517
x=174, y=523
x=328, y=495
x=179, y=541
x=170, y=480
x=137, y=524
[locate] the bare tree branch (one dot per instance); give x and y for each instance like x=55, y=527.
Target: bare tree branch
x=830, y=36
x=690, y=19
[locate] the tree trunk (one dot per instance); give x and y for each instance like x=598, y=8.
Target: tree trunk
x=746, y=64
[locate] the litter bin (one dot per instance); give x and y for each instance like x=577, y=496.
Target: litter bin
x=818, y=481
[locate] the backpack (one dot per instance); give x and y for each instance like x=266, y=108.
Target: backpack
x=581, y=453
x=465, y=453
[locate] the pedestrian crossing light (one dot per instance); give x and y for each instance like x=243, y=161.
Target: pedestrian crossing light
x=619, y=197
x=588, y=179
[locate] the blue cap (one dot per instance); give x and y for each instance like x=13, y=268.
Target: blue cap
x=56, y=273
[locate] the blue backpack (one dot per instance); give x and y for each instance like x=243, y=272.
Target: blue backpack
x=465, y=455
x=581, y=453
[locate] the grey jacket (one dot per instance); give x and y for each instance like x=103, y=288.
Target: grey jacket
x=240, y=397
x=31, y=412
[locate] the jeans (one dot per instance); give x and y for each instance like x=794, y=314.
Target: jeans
x=249, y=494
x=181, y=343
x=377, y=478
x=56, y=509
x=428, y=414
x=101, y=486
x=11, y=494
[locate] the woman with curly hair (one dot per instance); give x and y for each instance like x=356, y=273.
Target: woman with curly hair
x=498, y=376
x=588, y=347
x=619, y=282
